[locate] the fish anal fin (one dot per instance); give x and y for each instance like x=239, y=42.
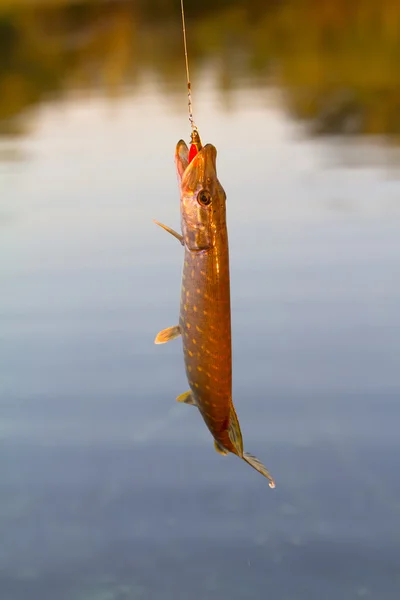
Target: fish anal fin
x=171, y=231
x=220, y=449
x=168, y=334
x=235, y=435
x=258, y=466
x=187, y=398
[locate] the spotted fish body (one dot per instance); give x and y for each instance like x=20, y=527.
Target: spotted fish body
x=205, y=316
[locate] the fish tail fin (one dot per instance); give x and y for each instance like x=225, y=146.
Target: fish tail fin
x=258, y=466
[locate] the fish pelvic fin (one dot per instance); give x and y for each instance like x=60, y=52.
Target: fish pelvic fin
x=235, y=435
x=167, y=334
x=171, y=231
x=258, y=466
x=220, y=449
x=187, y=398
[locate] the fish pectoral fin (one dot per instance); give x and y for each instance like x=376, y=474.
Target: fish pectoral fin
x=187, y=398
x=235, y=435
x=167, y=334
x=258, y=466
x=171, y=231
x=220, y=449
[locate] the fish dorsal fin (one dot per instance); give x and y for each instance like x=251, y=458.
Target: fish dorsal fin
x=168, y=334
x=187, y=398
x=235, y=435
x=220, y=449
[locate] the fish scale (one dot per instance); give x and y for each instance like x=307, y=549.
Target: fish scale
x=206, y=333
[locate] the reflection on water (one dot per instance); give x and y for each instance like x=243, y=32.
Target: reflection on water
x=109, y=490
x=336, y=63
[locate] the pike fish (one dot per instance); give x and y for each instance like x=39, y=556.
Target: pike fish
x=205, y=317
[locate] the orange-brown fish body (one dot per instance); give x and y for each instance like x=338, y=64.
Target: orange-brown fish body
x=205, y=324
x=205, y=316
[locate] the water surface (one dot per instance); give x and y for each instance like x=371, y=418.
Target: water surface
x=109, y=490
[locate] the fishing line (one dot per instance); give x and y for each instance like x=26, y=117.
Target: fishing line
x=189, y=87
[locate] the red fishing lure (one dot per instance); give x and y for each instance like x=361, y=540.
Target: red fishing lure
x=195, y=146
x=192, y=152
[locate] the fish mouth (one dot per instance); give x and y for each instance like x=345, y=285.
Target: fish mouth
x=200, y=170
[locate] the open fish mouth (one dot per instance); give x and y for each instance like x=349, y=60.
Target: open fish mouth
x=200, y=170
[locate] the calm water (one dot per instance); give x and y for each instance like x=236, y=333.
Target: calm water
x=109, y=490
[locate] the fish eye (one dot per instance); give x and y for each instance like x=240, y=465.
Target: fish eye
x=204, y=197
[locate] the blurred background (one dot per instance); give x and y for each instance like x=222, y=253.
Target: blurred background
x=109, y=490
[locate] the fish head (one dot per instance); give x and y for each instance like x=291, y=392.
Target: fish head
x=202, y=197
